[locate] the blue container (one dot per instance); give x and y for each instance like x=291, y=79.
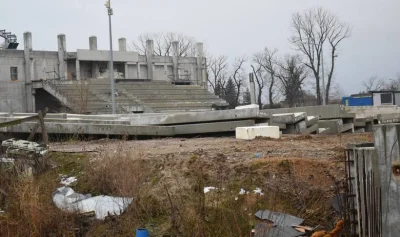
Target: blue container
x=142, y=233
x=357, y=101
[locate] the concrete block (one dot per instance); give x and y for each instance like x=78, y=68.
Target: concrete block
x=250, y=133
x=211, y=127
x=335, y=126
x=288, y=118
x=297, y=128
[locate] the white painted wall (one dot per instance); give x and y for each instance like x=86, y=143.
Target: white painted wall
x=397, y=99
x=377, y=99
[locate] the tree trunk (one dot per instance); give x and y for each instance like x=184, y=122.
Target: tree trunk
x=270, y=91
x=237, y=94
x=259, y=97
x=328, y=85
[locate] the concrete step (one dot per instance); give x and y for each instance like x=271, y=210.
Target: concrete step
x=175, y=105
x=182, y=109
x=73, y=91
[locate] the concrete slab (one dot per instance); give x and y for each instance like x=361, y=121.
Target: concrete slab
x=297, y=128
x=195, y=117
x=252, y=106
x=323, y=131
x=250, y=133
x=389, y=118
x=94, y=129
x=314, y=129
x=211, y=127
x=323, y=111
x=311, y=120
x=281, y=126
x=348, y=128
x=72, y=120
x=288, y=118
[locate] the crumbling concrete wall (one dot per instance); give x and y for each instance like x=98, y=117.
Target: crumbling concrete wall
x=8, y=59
x=45, y=63
x=12, y=96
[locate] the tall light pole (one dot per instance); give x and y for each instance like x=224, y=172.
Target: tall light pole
x=111, y=68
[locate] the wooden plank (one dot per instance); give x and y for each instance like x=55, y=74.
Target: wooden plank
x=43, y=128
x=34, y=130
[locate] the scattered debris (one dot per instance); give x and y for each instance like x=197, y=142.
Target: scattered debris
x=73, y=150
x=242, y=191
x=28, y=157
x=303, y=229
x=258, y=191
x=66, y=181
x=7, y=160
x=279, y=218
x=265, y=230
x=332, y=233
x=280, y=225
x=208, y=189
x=67, y=199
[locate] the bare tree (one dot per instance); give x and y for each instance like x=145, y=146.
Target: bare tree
x=311, y=30
x=292, y=75
x=373, y=84
x=238, y=76
x=260, y=80
x=163, y=44
x=217, y=73
x=267, y=62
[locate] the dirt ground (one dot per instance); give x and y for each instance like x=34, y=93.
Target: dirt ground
x=289, y=146
x=295, y=174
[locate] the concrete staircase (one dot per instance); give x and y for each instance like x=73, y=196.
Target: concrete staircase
x=94, y=96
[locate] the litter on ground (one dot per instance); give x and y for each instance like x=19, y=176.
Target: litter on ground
x=67, y=199
x=66, y=181
x=258, y=191
x=208, y=189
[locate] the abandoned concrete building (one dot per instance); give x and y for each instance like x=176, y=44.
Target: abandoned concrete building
x=77, y=82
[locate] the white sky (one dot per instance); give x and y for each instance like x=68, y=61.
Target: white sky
x=229, y=27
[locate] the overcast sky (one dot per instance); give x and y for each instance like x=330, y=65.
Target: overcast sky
x=229, y=27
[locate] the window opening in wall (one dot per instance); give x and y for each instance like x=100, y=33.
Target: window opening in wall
x=14, y=73
x=386, y=98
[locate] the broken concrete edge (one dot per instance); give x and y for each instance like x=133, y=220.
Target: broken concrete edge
x=288, y=118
